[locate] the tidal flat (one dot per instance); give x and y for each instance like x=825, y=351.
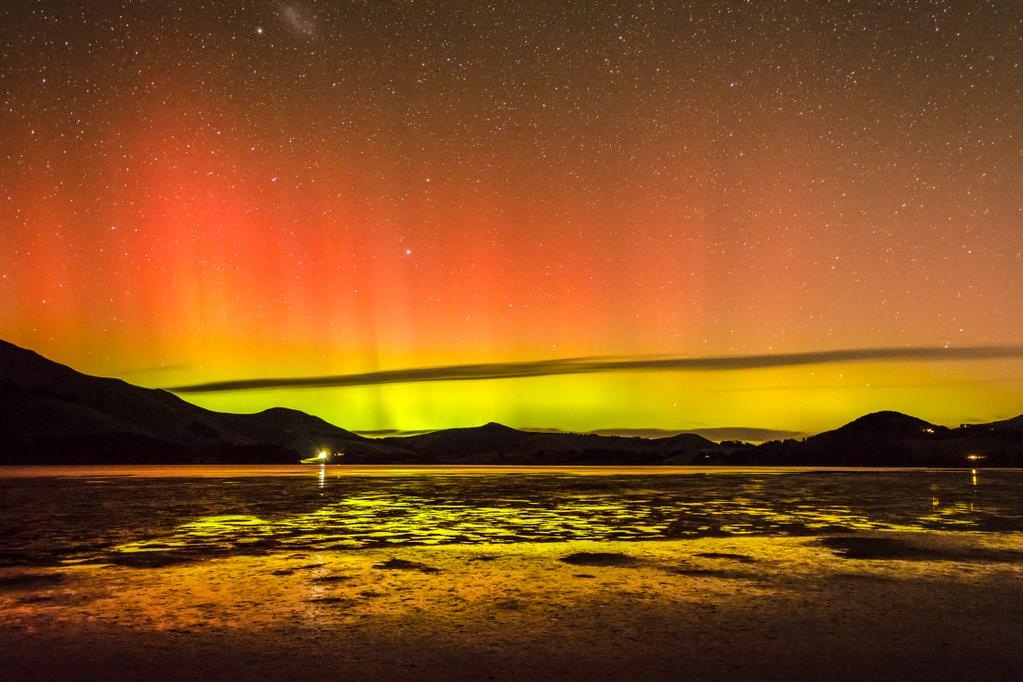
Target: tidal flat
x=496, y=574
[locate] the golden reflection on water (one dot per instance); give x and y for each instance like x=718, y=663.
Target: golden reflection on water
x=351, y=513
x=160, y=519
x=255, y=555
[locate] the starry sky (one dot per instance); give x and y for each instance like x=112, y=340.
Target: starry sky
x=196, y=192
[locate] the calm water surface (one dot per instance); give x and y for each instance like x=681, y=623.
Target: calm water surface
x=165, y=515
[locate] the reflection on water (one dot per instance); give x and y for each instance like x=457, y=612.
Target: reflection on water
x=166, y=519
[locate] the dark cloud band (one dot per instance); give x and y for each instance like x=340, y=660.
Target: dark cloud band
x=515, y=370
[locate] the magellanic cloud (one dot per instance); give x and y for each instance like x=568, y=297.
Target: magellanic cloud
x=590, y=365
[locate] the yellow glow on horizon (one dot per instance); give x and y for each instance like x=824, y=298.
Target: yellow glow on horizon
x=807, y=398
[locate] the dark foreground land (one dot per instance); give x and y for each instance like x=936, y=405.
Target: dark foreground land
x=855, y=607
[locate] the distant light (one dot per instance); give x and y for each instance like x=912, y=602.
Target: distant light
x=928, y=430
x=975, y=458
x=323, y=454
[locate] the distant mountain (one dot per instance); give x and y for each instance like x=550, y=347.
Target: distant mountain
x=892, y=439
x=1014, y=424
x=882, y=425
x=716, y=434
x=498, y=444
x=478, y=439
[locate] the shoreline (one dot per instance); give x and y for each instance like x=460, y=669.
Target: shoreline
x=249, y=470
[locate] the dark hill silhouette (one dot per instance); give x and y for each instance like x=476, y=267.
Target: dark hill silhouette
x=1014, y=424
x=883, y=425
x=490, y=437
x=50, y=413
x=499, y=444
x=891, y=439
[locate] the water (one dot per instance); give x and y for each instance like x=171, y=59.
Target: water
x=155, y=516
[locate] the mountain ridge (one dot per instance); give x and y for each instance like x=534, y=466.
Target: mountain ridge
x=55, y=414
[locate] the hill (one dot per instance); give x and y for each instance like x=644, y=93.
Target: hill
x=893, y=439
x=51, y=413
x=498, y=444
x=1014, y=424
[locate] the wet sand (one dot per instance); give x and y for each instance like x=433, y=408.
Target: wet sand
x=874, y=605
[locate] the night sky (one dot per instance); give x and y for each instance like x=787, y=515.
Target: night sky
x=219, y=191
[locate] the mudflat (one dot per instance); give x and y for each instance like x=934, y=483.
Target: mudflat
x=862, y=605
